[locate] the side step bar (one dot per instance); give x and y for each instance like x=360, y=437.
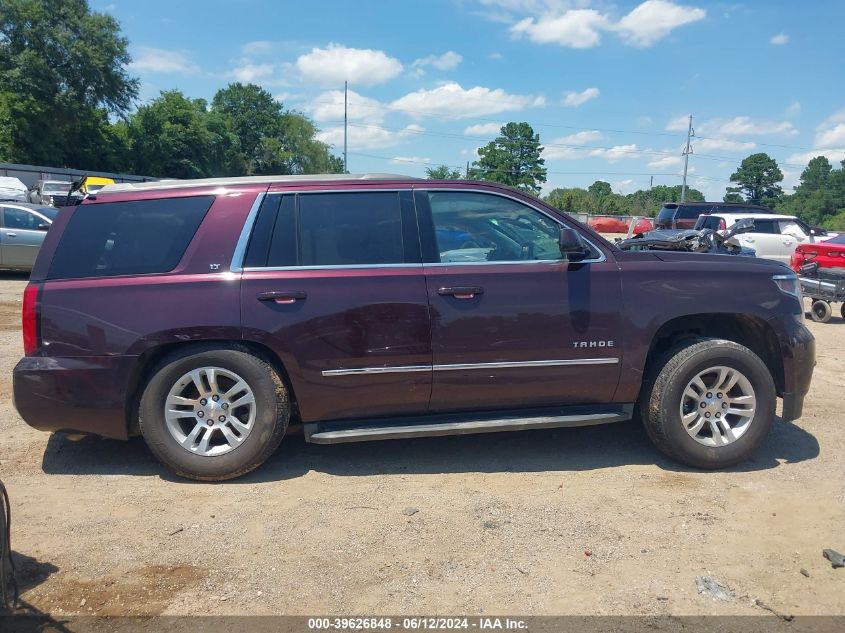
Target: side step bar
x=363, y=431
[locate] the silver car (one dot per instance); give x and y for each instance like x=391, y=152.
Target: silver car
x=22, y=230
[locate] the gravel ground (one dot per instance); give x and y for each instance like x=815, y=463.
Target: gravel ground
x=575, y=521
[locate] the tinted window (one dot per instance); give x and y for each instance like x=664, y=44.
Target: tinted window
x=690, y=212
x=348, y=229
x=839, y=239
x=765, y=226
x=477, y=227
x=127, y=238
x=20, y=219
x=667, y=213
x=709, y=222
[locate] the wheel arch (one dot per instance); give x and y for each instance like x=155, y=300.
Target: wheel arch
x=151, y=358
x=748, y=330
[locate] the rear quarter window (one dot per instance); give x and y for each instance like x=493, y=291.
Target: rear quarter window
x=127, y=238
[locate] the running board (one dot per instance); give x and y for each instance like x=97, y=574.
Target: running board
x=363, y=431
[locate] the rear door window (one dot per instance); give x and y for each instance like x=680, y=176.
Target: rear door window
x=127, y=238
x=710, y=222
x=365, y=228
x=766, y=226
x=20, y=219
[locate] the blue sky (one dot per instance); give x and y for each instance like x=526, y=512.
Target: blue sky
x=607, y=85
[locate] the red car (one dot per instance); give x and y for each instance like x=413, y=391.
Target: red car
x=828, y=254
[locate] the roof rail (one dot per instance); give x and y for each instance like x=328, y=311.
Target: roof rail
x=246, y=180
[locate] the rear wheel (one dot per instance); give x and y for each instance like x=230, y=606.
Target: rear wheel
x=821, y=311
x=842, y=311
x=214, y=414
x=710, y=403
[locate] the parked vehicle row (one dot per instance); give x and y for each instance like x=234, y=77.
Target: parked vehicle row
x=209, y=315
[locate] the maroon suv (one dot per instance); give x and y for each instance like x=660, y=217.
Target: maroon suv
x=209, y=315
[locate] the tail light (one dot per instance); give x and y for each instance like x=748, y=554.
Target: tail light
x=31, y=321
x=722, y=225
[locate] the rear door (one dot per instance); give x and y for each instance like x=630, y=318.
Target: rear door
x=333, y=283
x=20, y=237
x=513, y=325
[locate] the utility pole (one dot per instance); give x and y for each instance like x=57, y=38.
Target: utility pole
x=345, y=163
x=466, y=173
x=651, y=183
x=687, y=151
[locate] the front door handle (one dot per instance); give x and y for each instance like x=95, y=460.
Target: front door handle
x=283, y=297
x=11, y=234
x=461, y=292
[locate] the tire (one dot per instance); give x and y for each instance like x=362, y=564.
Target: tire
x=664, y=396
x=254, y=426
x=821, y=311
x=842, y=311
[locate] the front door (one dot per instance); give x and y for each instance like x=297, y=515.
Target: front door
x=513, y=324
x=333, y=283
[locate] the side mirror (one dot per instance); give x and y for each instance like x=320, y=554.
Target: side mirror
x=571, y=245
x=43, y=227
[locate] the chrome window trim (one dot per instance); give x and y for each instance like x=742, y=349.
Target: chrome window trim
x=246, y=231
x=469, y=366
x=602, y=257
x=259, y=269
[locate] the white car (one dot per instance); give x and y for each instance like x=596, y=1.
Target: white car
x=774, y=236
x=13, y=190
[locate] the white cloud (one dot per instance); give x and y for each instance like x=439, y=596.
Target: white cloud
x=831, y=131
x=258, y=47
x=802, y=158
x=705, y=145
x=737, y=126
x=250, y=73
x=452, y=101
x=446, y=61
x=328, y=106
x=747, y=125
x=829, y=141
x=575, y=99
x=368, y=136
x=337, y=63
x=159, y=60
x=655, y=19
x=665, y=162
x=780, y=39
x=794, y=109
x=615, y=153
x=572, y=146
x=556, y=23
x=409, y=160
x=576, y=28
x=483, y=129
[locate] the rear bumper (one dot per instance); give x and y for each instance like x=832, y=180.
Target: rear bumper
x=798, y=350
x=83, y=394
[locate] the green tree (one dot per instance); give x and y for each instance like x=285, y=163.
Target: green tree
x=443, y=172
x=62, y=72
x=176, y=137
x=757, y=178
x=512, y=159
x=816, y=174
x=253, y=115
x=600, y=189
x=733, y=196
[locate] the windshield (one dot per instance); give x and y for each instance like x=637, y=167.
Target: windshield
x=56, y=187
x=49, y=212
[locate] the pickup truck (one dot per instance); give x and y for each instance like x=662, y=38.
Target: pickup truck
x=208, y=316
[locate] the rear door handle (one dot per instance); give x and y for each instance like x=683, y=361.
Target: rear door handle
x=11, y=234
x=461, y=292
x=283, y=297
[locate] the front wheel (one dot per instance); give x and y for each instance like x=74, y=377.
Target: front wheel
x=710, y=405
x=214, y=414
x=821, y=311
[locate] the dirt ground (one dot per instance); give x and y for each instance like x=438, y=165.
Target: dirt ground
x=576, y=521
